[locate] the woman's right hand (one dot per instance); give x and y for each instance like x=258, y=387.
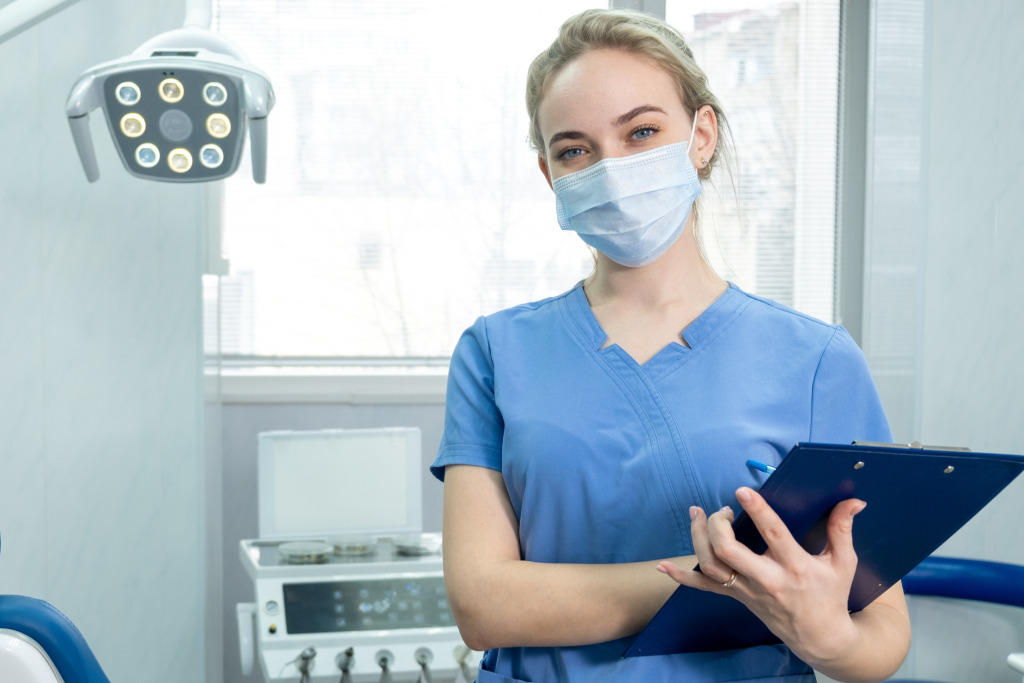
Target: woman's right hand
x=801, y=597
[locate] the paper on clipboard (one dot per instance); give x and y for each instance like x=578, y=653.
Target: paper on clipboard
x=916, y=499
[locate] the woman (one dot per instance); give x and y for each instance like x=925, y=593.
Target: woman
x=586, y=434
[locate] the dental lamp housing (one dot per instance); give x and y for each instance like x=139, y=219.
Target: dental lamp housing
x=177, y=109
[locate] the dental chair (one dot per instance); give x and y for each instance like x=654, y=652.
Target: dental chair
x=38, y=644
x=962, y=579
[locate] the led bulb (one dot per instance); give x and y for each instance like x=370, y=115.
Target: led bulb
x=215, y=94
x=218, y=125
x=147, y=155
x=133, y=125
x=180, y=160
x=171, y=90
x=211, y=156
x=127, y=93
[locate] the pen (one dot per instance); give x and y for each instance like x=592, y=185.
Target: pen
x=760, y=466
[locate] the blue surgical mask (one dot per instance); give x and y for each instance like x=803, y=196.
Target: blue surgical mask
x=631, y=209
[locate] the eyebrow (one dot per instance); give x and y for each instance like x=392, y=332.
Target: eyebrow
x=625, y=118
x=633, y=113
x=564, y=135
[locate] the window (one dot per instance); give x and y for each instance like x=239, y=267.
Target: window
x=774, y=64
x=403, y=199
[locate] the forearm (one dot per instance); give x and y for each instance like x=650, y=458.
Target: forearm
x=500, y=600
x=882, y=638
x=514, y=603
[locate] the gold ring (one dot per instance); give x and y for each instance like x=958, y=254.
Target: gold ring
x=731, y=581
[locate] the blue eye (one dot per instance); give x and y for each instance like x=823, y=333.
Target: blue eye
x=644, y=133
x=570, y=153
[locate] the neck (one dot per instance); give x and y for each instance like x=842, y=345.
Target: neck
x=679, y=276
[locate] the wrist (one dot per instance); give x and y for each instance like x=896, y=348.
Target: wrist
x=832, y=649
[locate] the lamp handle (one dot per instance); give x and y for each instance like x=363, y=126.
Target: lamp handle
x=84, y=97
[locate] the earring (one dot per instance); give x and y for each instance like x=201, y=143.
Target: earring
x=703, y=161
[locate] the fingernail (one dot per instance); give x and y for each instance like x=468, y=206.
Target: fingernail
x=694, y=511
x=857, y=510
x=743, y=494
x=662, y=568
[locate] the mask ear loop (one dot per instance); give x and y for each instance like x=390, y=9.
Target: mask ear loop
x=704, y=163
x=693, y=131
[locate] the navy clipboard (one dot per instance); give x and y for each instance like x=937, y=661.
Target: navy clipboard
x=917, y=498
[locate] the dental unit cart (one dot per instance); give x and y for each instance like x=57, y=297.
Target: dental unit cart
x=347, y=586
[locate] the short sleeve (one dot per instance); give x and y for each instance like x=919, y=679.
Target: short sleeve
x=473, y=426
x=845, y=403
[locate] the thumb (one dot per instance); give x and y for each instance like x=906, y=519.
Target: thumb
x=840, y=527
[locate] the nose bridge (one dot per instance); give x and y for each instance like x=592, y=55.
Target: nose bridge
x=610, y=147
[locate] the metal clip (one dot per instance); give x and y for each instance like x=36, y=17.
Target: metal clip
x=912, y=444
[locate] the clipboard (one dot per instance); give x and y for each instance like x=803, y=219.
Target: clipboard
x=917, y=498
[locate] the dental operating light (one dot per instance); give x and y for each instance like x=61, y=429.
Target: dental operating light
x=177, y=109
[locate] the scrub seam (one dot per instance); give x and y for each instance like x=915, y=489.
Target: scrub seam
x=604, y=362
x=679, y=448
x=814, y=379
x=702, y=346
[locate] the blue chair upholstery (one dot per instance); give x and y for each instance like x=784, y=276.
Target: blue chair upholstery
x=951, y=577
x=54, y=634
x=963, y=579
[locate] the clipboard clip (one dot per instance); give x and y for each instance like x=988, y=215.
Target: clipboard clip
x=912, y=444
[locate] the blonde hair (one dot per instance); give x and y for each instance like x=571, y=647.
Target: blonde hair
x=640, y=34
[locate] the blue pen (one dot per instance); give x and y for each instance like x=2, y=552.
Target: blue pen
x=760, y=466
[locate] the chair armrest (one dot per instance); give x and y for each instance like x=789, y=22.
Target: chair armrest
x=55, y=634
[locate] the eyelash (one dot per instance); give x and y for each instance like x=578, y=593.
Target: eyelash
x=564, y=154
x=646, y=126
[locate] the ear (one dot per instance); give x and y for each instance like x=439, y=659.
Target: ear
x=543, y=164
x=705, y=138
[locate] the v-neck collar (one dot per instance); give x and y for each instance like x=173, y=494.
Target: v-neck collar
x=696, y=334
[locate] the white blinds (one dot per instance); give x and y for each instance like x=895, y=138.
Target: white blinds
x=402, y=197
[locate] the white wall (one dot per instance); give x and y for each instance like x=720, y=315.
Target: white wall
x=972, y=388
x=944, y=285
x=101, y=486
x=959, y=239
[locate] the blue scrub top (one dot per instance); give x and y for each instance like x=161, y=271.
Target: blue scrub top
x=602, y=457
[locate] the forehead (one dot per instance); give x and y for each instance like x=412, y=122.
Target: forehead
x=601, y=85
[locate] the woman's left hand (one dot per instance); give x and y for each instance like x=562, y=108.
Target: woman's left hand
x=801, y=597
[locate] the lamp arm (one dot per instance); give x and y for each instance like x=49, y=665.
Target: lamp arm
x=24, y=14
x=198, y=13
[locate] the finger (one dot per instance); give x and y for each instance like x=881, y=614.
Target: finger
x=839, y=531
x=720, y=527
x=783, y=547
x=691, y=578
x=710, y=564
x=723, y=538
x=674, y=570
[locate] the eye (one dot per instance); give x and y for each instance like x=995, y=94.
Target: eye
x=643, y=132
x=569, y=153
